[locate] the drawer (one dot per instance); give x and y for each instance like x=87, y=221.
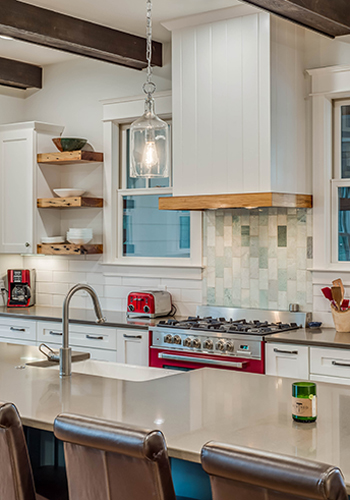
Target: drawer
x=287, y=360
x=96, y=337
x=15, y=329
x=330, y=362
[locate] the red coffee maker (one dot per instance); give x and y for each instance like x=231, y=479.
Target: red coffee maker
x=21, y=287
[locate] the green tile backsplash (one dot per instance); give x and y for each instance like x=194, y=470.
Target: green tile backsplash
x=258, y=258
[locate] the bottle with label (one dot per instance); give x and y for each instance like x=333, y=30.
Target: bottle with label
x=304, y=402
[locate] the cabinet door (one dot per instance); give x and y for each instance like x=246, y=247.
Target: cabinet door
x=132, y=347
x=17, y=191
x=287, y=360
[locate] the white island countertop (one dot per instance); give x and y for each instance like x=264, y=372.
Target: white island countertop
x=190, y=408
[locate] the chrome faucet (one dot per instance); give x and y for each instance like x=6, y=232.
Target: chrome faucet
x=66, y=351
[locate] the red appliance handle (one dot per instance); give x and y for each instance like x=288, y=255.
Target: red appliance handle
x=192, y=359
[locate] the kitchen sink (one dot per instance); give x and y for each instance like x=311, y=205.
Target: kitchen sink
x=107, y=369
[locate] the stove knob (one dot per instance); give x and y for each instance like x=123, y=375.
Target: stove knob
x=187, y=342
x=168, y=339
x=177, y=339
x=146, y=309
x=131, y=308
x=208, y=344
x=230, y=346
x=221, y=345
x=196, y=343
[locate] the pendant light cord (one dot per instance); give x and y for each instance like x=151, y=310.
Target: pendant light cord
x=149, y=87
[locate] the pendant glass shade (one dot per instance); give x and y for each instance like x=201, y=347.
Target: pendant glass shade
x=149, y=145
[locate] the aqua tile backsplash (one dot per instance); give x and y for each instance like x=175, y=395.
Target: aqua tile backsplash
x=258, y=258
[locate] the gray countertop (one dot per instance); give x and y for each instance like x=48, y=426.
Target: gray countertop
x=190, y=408
x=324, y=337
x=87, y=316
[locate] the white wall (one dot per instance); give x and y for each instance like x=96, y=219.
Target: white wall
x=72, y=92
x=11, y=105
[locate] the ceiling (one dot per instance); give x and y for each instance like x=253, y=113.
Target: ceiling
x=129, y=15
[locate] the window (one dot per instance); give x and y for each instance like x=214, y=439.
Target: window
x=341, y=183
x=145, y=233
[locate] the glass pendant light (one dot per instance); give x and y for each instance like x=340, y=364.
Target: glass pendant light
x=149, y=135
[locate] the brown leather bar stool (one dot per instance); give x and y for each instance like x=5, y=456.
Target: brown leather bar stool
x=111, y=461
x=16, y=476
x=246, y=474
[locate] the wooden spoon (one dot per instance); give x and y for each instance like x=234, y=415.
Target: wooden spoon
x=338, y=282
x=337, y=296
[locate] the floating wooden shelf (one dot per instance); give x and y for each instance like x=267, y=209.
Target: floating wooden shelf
x=73, y=202
x=69, y=249
x=247, y=200
x=68, y=157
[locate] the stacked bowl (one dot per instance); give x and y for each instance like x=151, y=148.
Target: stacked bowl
x=79, y=236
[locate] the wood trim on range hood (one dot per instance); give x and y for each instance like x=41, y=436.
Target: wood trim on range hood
x=246, y=200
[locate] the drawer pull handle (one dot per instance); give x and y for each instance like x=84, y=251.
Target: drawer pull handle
x=13, y=329
x=282, y=351
x=132, y=336
x=203, y=361
x=55, y=333
x=336, y=363
x=94, y=337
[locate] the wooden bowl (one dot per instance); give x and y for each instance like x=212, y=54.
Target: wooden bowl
x=69, y=143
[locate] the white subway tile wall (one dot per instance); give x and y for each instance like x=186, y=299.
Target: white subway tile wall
x=55, y=275
x=258, y=258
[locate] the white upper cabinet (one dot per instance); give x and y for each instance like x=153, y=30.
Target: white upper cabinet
x=239, y=106
x=18, y=148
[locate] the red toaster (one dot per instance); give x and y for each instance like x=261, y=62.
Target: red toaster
x=149, y=303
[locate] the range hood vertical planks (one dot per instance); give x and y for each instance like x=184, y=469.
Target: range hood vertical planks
x=244, y=200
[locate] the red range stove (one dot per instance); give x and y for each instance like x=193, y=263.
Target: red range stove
x=219, y=337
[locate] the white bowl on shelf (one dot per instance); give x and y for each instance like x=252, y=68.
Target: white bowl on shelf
x=79, y=236
x=79, y=240
x=68, y=192
x=52, y=240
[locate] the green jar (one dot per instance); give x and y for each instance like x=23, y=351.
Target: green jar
x=304, y=402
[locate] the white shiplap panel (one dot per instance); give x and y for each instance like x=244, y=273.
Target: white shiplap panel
x=177, y=110
x=184, y=115
x=234, y=175
x=189, y=112
x=290, y=172
x=264, y=103
x=220, y=112
x=250, y=95
x=203, y=140
x=221, y=104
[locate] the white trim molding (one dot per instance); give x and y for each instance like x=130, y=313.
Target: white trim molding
x=327, y=84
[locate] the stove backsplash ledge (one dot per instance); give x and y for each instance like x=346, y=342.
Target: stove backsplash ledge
x=258, y=258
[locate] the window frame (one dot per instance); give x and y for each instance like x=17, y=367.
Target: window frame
x=337, y=181
x=117, y=115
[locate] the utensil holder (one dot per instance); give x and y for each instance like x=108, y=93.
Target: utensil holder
x=341, y=320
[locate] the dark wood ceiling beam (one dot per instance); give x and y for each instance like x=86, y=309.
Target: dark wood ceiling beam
x=329, y=17
x=51, y=29
x=19, y=74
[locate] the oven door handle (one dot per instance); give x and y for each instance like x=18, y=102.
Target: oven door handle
x=192, y=359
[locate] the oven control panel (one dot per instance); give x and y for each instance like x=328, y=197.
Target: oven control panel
x=242, y=346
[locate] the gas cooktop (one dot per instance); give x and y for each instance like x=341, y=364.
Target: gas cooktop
x=217, y=325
